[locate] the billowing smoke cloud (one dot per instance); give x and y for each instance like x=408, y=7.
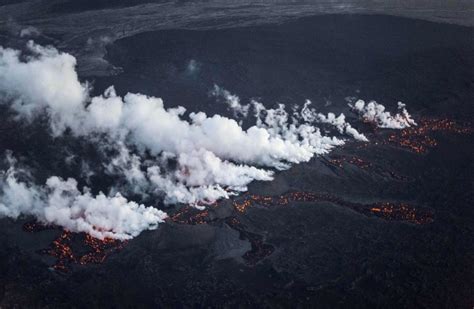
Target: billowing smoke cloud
x=200, y=176
x=194, y=159
x=375, y=113
x=60, y=202
x=46, y=81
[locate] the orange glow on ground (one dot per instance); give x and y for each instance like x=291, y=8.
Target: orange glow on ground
x=419, y=140
x=76, y=248
x=384, y=210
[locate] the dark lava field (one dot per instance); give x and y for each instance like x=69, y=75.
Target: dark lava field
x=383, y=224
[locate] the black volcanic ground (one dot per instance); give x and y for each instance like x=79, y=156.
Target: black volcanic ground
x=326, y=252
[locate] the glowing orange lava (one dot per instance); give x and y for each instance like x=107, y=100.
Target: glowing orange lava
x=190, y=215
x=419, y=140
x=384, y=210
x=76, y=248
x=339, y=162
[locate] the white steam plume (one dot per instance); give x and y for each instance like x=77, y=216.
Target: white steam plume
x=214, y=155
x=231, y=100
x=194, y=159
x=375, y=113
x=60, y=202
x=47, y=81
x=144, y=121
x=275, y=119
x=338, y=122
x=198, y=177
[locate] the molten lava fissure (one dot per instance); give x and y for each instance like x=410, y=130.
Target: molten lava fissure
x=340, y=160
x=384, y=210
x=190, y=215
x=401, y=211
x=96, y=250
x=81, y=249
x=76, y=248
x=419, y=140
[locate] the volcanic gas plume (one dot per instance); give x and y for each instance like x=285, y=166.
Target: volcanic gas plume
x=164, y=153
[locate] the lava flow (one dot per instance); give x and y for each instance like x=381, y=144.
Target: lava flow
x=375, y=169
x=62, y=251
x=259, y=249
x=385, y=210
x=76, y=248
x=190, y=215
x=418, y=139
x=402, y=211
x=339, y=162
x=96, y=250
